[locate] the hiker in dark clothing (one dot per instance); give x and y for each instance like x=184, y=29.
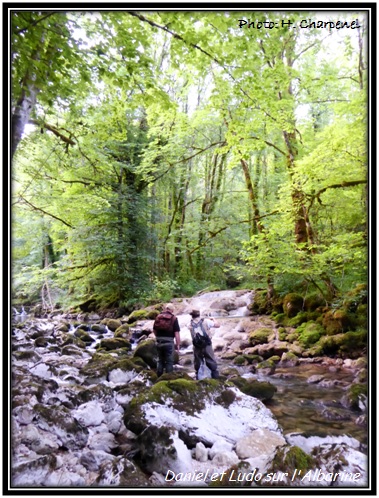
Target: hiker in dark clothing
x=166, y=329
x=203, y=352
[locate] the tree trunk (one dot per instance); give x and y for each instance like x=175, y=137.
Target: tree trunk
x=255, y=225
x=22, y=112
x=213, y=181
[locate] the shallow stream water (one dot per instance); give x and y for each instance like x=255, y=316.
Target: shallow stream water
x=311, y=408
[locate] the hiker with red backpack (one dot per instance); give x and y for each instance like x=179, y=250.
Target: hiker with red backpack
x=166, y=329
x=202, y=343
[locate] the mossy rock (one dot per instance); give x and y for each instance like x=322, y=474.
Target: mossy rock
x=98, y=365
x=229, y=372
x=84, y=336
x=58, y=419
x=139, y=361
x=349, y=344
x=185, y=395
x=99, y=328
x=226, y=398
x=42, y=342
x=330, y=344
x=62, y=327
x=314, y=351
x=74, y=341
x=155, y=448
x=152, y=314
x=362, y=375
x=260, y=336
x=126, y=365
x=122, y=331
x=83, y=326
x=111, y=323
x=282, y=334
x=355, y=396
x=115, y=343
x=96, y=392
x=240, y=360
x=252, y=359
x=268, y=365
x=174, y=376
x=289, y=358
x=310, y=333
x=275, y=359
x=355, y=297
x=280, y=319
x=361, y=362
x=289, y=458
x=27, y=355
x=354, y=342
x=337, y=321
x=138, y=315
x=313, y=301
x=361, y=315
x=147, y=350
x=292, y=304
x=259, y=304
x=292, y=337
x=298, y=320
x=260, y=390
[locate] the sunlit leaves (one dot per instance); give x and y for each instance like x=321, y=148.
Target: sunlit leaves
x=161, y=109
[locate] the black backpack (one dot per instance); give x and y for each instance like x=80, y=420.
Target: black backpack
x=164, y=323
x=200, y=340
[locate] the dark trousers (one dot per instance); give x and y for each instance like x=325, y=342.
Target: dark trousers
x=165, y=356
x=205, y=354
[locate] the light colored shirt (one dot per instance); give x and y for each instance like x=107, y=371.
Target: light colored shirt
x=207, y=323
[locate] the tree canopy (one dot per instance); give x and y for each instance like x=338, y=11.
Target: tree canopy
x=158, y=153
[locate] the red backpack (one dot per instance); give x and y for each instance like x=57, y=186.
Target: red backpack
x=164, y=323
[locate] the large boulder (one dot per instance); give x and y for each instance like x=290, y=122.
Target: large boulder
x=114, y=343
x=337, y=321
x=292, y=304
x=182, y=413
x=111, y=323
x=261, y=336
x=147, y=350
x=59, y=421
x=266, y=351
x=257, y=389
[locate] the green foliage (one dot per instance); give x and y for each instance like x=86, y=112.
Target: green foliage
x=309, y=333
x=169, y=163
x=162, y=290
x=260, y=336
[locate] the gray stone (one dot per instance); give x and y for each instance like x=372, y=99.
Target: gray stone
x=259, y=443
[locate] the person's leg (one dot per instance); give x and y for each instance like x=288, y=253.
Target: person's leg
x=197, y=359
x=169, y=357
x=161, y=359
x=211, y=362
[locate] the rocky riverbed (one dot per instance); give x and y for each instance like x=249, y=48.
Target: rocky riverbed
x=89, y=411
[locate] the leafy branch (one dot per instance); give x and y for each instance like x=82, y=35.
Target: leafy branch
x=343, y=184
x=215, y=233
x=54, y=130
x=35, y=208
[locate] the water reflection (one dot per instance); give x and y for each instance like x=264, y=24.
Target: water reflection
x=313, y=408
